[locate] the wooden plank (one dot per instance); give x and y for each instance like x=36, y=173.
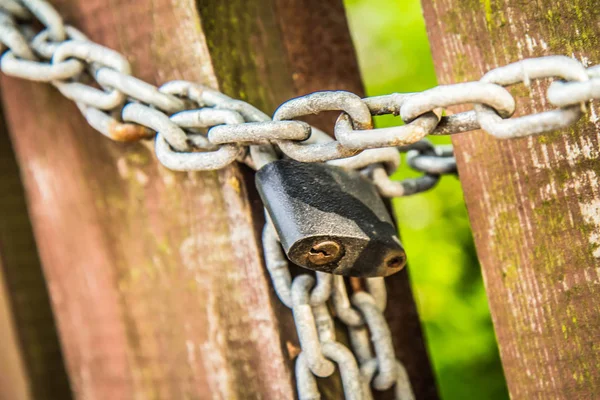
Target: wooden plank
x=156, y=277
x=13, y=376
x=32, y=365
x=534, y=203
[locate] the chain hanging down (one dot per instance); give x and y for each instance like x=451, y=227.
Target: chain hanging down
x=360, y=369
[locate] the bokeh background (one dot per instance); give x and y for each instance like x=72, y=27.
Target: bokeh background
x=394, y=56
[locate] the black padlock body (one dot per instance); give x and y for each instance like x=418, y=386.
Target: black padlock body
x=310, y=203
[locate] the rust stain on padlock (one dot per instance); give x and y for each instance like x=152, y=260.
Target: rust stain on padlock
x=325, y=252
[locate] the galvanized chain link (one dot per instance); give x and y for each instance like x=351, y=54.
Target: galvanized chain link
x=371, y=364
x=179, y=114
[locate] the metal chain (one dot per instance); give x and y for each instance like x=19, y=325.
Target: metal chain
x=198, y=128
x=128, y=109
x=371, y=363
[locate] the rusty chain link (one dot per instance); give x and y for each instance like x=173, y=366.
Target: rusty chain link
x=198, y=128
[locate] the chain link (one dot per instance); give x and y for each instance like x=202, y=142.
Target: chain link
x=361, y=368
x=198, y=128
x=99, y=80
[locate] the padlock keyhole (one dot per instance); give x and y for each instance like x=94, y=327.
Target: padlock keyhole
x=325, y=252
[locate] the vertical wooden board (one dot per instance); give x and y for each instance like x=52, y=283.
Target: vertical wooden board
x=534, y=203
x=14, y=382
x=316, y=52
x=31, y=364
x=155, y=276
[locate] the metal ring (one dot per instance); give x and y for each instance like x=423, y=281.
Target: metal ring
x=45, y=48
x=12, y=38
x=360, y=343
x=91, y=53
x=89, y=95
x=218, y=118
x=421, y=156
x=277, y=264
x=139, y=90
x=39, y=71
x=341, y=304
x=351, y=378
x=159, y=122
x=204, y=96
x=389, y=156
x=113, y=129
x=381, y=337
x=562, y=94
x=431, y=164
x=48, y=16
x=306, y=327
x=315, y=103
x=384, y=137
x=15, y=9
x=386, y=104
x=194, y=161
x=457, y=123
x=445, y=96
x=423, y=146
x=306, y=384
x=317, y=152
x=406, y=187
x=402, y=387
x=536, y=68
x=376, y=288
x=206, y=118
x=322, y=290
x=259, y=132
x=524, y=71
x=318, y=147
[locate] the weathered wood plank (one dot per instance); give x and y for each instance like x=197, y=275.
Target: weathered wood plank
x=534, y=203
x=156, y=280
x=156, y=277
x=13, y=374
x=32, y=365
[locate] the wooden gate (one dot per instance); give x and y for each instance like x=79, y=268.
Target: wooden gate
x=155, y=279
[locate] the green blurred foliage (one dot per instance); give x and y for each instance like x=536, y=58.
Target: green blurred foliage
x=394, y=56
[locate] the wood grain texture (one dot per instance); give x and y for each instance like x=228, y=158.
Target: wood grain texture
x=534, y=203
x=316, y=52
x=31, y=366
x=156, y=277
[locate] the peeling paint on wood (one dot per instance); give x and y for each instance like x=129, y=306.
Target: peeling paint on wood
x=534, y=203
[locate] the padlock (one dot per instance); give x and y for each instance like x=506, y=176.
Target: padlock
x=330, y=219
